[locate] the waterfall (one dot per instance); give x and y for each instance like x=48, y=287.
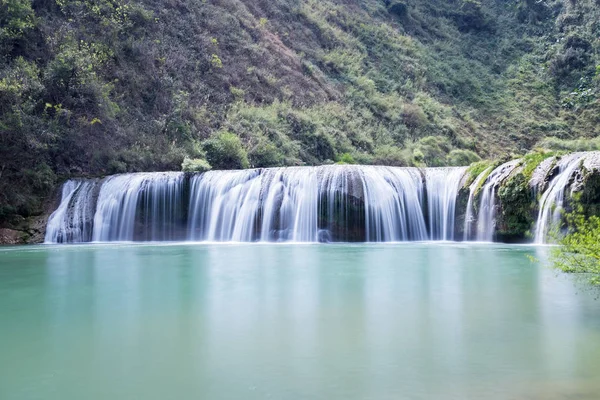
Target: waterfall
x=72, y=220
x=224, y=205
x=56, y=229
x=486, y=220
x=393, y=198
x=298, y=204
x=552, y=200
x=125, y=200
x=470, y=215
x=442, y=188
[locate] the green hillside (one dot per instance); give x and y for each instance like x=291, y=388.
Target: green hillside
x=97, y=87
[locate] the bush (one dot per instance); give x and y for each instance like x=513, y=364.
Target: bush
x=346, y=158
x=225, y=151
x=116, y=167
x=16, y=18
x=576, y=54
x=391, y=156
x=265, y=155
x=195, y=165
x=399, y=8
x=459, y=158
x=471, y=17
x=414, y=117
x=432, y=150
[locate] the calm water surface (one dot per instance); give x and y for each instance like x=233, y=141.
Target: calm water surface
x=406, y=321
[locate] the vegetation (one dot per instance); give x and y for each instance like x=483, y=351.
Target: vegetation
x=581, y=144
x=477, y=169
x=531, y=161
x=195, y=165
x=93, y=87
x=225, y=151
x=517, y=208
x=579, y=250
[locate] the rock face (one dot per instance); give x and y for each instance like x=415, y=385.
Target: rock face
x=27, y=231
x=11, y=236
x=540, y=174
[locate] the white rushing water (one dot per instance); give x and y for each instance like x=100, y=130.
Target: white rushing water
x=442, y=189
x=152, y=201
x=552, y=200
x=486, y=219
x=57, y=227
x=300, y=204
x=470, y=214
x=72, y=220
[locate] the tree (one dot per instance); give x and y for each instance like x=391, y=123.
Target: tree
x=579, y=249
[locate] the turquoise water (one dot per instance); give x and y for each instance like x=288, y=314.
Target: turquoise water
x=401, y=321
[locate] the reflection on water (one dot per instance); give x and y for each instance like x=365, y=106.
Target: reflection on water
x=406, y=321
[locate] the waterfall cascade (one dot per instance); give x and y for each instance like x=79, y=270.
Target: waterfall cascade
x=442, y=189
x=72, y=221
x=470, y=213
x=302, y=204
x=552, y=200
x=308, y=204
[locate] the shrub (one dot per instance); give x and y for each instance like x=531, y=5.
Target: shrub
x=575, y=55
x=471, y=17
x=346, y=158
x=414, y=117
x=434, y=150
x=16, y=18
x=399, y=8
x=265, y=155
x=195, y=165
x=460, y=158
x=391, y=156
x=116, y=167
x=225, y=151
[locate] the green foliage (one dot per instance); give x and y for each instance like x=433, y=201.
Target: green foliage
x=533, y=11
x=533, y=159
x=195, y=165
x=517, y=205
x=16, y=20
x=581, y=144
x=459, y=157
x=216, y=61
x=265, y=155
x=574, y=55
x=579, y=250
x=471, y=16
x=346, y=158
x=581, y=97
x=398, y=7
x=225, y=151
x=477, y=169
x=432, y=151
x=391, y=156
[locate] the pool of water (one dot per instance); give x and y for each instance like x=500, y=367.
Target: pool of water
x=199, y=321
